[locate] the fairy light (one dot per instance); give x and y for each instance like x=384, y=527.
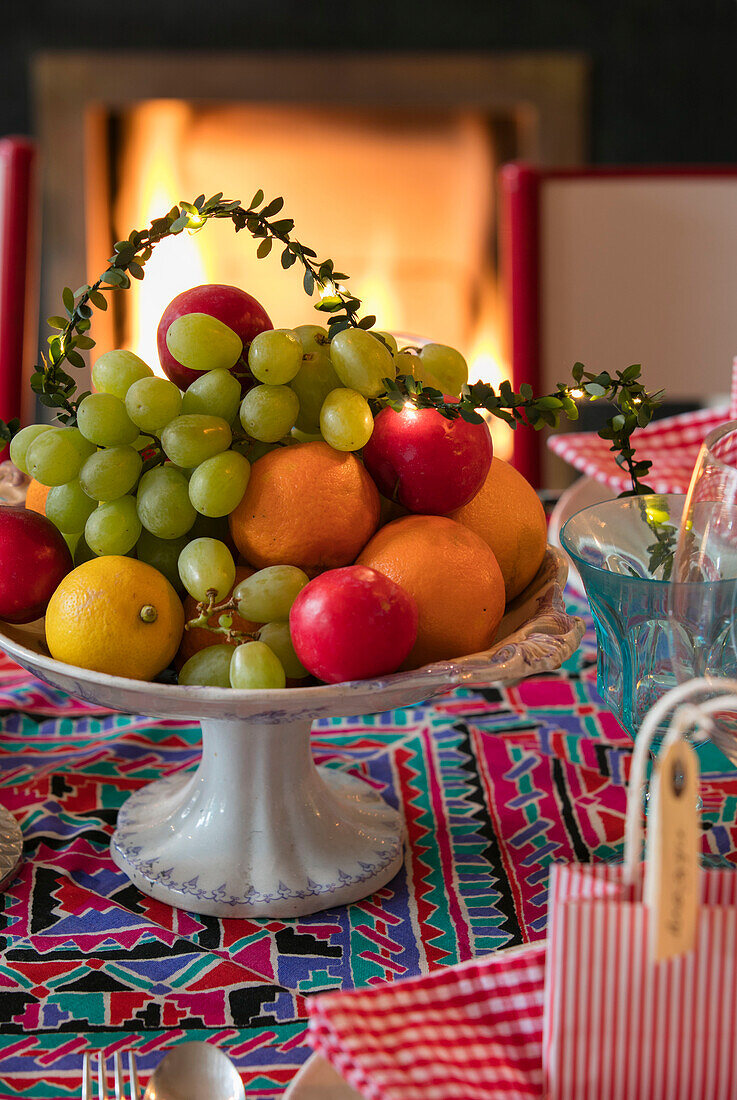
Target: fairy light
x=576, y=394
x=328, y=289
x=195, y=222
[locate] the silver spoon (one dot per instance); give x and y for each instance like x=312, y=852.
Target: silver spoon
x=195, y=1071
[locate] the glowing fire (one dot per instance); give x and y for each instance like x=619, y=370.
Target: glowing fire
x=406, y=216
x=178, y=262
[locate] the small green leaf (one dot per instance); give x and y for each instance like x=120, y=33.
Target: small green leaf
x=84, y=342
x=75, y=359
x=367, y=322
x=288, y=258
x=272, y=208
x=264, y=248
x=57, y=322
x=98, y=299
x=257, y=199
x=68, y=299
x=594, y=389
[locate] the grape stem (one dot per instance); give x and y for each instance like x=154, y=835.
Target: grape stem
x=633, y=406
x=208, y=608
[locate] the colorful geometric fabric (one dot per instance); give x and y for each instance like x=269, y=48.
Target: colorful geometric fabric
x=495, y=785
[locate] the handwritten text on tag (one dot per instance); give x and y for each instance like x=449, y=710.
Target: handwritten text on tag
x=672, y=877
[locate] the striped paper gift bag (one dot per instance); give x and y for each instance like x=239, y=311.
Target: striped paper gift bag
x=641, y=967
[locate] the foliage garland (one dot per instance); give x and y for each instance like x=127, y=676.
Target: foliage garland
x=634, y=406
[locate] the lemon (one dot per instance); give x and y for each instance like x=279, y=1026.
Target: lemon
x=115, y=615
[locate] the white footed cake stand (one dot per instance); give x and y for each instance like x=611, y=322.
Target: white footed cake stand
x=258, y=830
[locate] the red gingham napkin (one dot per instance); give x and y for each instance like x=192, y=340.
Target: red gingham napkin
x=672, y=444
x=467, y=1032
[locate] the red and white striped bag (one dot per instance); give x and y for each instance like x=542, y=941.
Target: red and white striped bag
x=617, y=1024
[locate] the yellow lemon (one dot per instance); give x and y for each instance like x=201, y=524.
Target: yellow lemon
x=115, y=615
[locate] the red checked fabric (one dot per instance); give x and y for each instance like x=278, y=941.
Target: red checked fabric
x=473, y=1032
x=672, y=445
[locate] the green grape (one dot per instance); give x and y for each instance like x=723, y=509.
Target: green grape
x=152, y=402
x=82, y=552
x=162, y=554
x=255, y=667
x=209, y=667
x=269, y=412
x=304, y=437
x=218, y=484
x=164, y=507
x=72, y=541
x=279, y=640
x=217, y=393
x=314, y=338
x=52, y=458
x=361, y=361
x=314, y=382
x=206, y=565
x=268, y=595
x=388, y=339
x=445, y=368
x=21, y=442
x=346, y=422
x=116, y=370
x=188, y=440
x=113, y=527
x=407, y=363
x=102, y=419
x=83, y=446
x=142, y=442
x=275, y=356
x=111, y=473
x=201, y=342
x=69, y=507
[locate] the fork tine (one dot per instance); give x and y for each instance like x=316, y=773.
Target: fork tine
x=133, y=1073
x=101, y=1076
x=87, y=1076
x=119, y=1083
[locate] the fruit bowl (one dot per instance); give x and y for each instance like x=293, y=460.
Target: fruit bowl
x=258, y=830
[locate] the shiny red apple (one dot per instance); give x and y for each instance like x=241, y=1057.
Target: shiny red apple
x=235, y=308
x=34, y=559
x=352, y=624
x=427, y=463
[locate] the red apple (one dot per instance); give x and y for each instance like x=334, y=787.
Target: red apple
x=34, y=559
x=352, y=624
x=427, y=463
x=235, y=308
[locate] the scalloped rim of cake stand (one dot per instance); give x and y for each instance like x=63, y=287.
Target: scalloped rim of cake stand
x=536, y=635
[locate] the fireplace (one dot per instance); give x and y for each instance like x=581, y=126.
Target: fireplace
x=388, y=164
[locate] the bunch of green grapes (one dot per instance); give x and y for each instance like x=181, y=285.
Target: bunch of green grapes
x=153, y=472
x=267, y=658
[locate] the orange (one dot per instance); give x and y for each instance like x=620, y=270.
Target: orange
x=196, y=639
x=507, y=514
x=452, y=575
x=115, y=615
x=36, y=494
x=306, y=505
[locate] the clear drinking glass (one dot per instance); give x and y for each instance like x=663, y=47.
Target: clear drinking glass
x=624, y=552
x=704, y=592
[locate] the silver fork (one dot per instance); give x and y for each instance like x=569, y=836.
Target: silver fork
x=119, y=1079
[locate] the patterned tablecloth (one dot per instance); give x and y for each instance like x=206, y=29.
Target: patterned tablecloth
x=495, y=785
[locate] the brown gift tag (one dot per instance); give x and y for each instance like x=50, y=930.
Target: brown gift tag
x=672, y=879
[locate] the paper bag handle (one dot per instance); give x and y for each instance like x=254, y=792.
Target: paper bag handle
x=688, y=715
